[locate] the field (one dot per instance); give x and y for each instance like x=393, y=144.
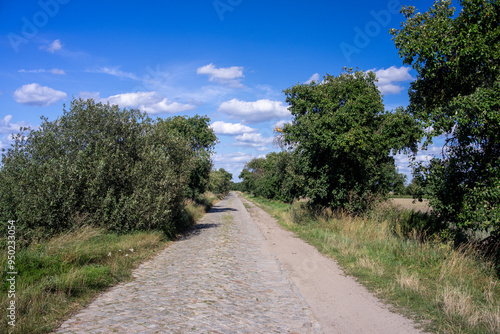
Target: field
x=411, y=204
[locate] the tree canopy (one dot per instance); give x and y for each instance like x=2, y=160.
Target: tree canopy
x=275, y=177
x=197, y=131
x=220, y=182
x=343, y=139
x=457, y=93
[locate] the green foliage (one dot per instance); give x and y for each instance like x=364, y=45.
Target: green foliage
x=457, y=93
x=415, y=188
x=101, y=165
x=397, y=182
x=237, y=186
x=202, y=139
x=58, y=276
x=220, y=182
x=342, y=139
x=393, y=253
x=273, y=177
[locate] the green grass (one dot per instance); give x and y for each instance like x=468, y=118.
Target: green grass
x=58, y=276
x=448, y=290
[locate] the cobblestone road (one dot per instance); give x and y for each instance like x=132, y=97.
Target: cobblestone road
x=218, y=279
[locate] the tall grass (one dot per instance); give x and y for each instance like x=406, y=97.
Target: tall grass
x=62, y=274
x=403, y=257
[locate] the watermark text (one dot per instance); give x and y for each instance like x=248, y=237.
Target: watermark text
x=223, y=6
x=31, y=26
x=12, y=272
x=373, y=28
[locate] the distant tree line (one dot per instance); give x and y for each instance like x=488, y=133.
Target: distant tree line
x=100, y=165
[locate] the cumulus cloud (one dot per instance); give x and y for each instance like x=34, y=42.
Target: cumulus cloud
x=226, y=75
x=232, y=129
x=404, y=163
x=233, y=162
x=254, y=140
x=52, y=47
x=51, y=71
x=234, y=158
x=253, y=112
x=315, y=77
x=90, y=95
x=37, y=95
x=280, y=124
x=115, y=71
x=388, y=79
x=150, y=102
x=6, y=141
x=7, y=127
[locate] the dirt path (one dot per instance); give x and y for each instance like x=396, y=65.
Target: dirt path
x=340, y=304
x=237, y=273
x=218, y=279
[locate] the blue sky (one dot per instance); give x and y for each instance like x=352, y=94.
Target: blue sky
x=227, y=59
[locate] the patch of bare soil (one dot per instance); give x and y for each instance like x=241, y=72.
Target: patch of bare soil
x=340, y=304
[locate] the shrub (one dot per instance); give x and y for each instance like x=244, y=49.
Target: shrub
x=113, y=167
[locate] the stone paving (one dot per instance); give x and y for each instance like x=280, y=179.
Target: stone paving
x=218, y=279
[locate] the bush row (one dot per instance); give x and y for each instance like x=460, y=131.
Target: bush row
x=100, y=165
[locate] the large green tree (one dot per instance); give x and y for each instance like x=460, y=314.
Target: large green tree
x=457, y=94
x=343, y=139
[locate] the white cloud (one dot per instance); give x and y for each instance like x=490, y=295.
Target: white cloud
x=150, y=102
x=254, y=140
x=404, y=163
x=253, y=112
x=280, y=124
x=57, y=71
x=226, y=75
x=6, y=126
x=51, y=71
x=315, y=77
x=223, y=128
x=9, y=129
x=234, y=158
x=202, y=95
x=179, y=81
x=52, y=47
x=233, y=162
x=37, y=95
x=268, y=92
x=90, y=95
x=388, y=77
x=116, y=72
x=6, y=141
x=389, y=89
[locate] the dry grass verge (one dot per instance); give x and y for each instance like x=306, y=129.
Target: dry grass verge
x=58, y=276
x=448, y=290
